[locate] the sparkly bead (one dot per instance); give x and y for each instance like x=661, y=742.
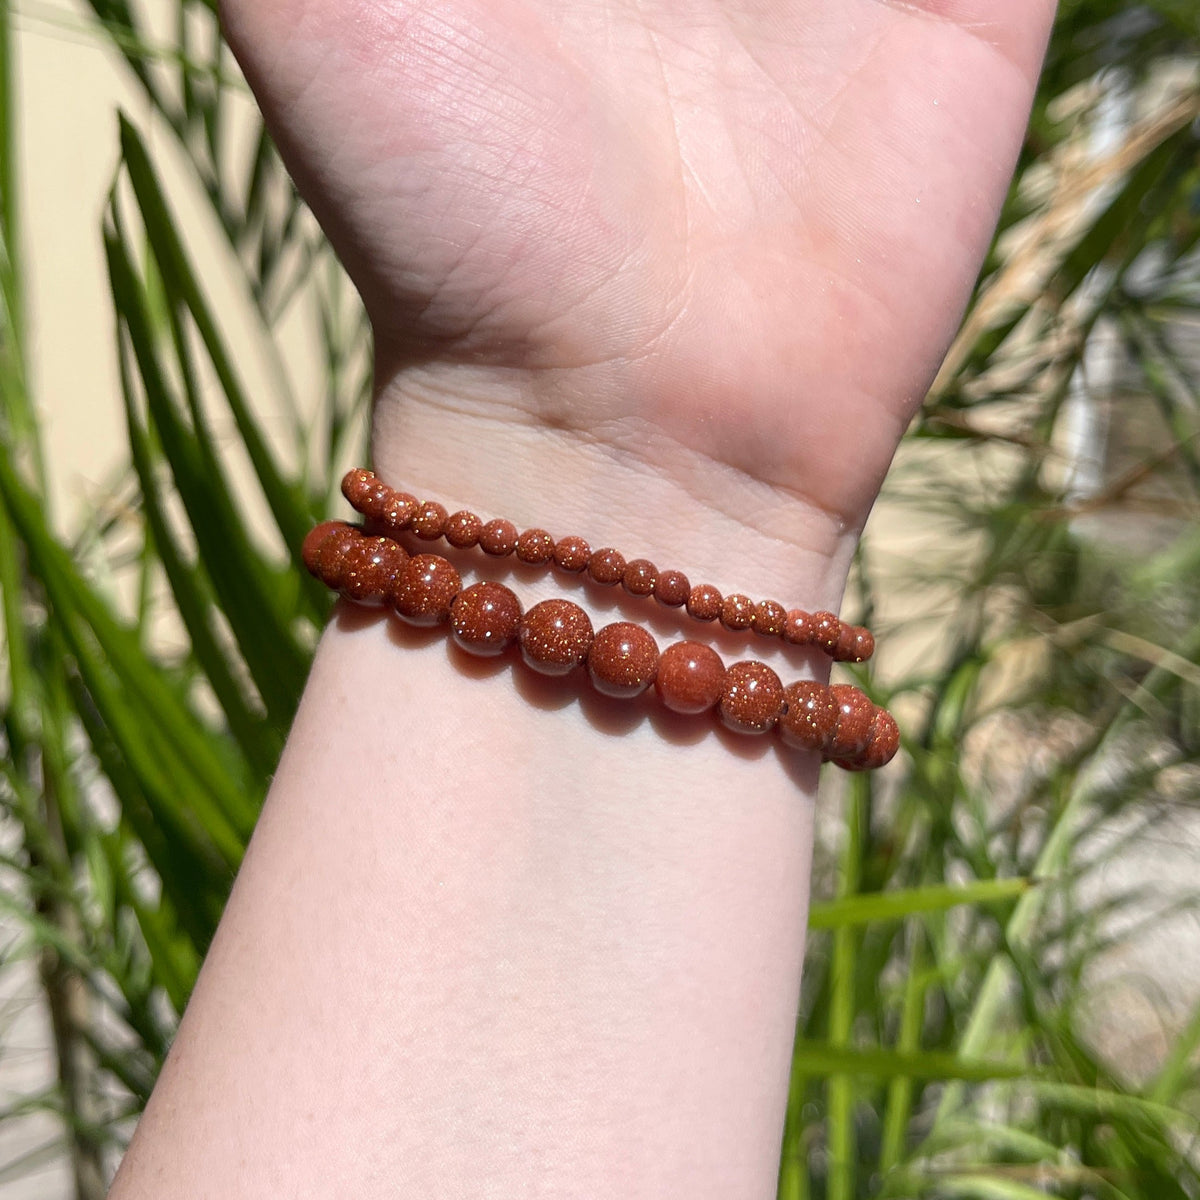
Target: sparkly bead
x=769, y=617
x=798, y=628
x=312, y=543
x=622, y=660
x=397, y=514
x=751, y=697
x=535, y=546
x=672, y=588
x=811, y=717
x=498, y=538
x=572, y=554
x=425, y=589
x=607, y=566
x=463, y=529
x=864, y=644
x=374, y=500
x=690, y=677
x=737, y=612
x=855, y=715
x=826, y=629
x=640, y=577
x=331, y=555
x=704, y=602
x=370, y=568
x=885, y=741
x=555, y=636
x=430, y=521
x=844, y=650
x=484, y=618
x=355, y=484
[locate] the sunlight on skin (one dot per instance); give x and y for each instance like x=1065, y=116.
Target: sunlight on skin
x=675, y=276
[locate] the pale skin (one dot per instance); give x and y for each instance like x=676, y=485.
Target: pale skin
x=675, y=277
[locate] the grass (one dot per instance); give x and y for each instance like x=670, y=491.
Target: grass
x=967, y=924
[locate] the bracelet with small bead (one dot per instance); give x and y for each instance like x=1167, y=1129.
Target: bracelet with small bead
x=394, y=512
x=622, y=659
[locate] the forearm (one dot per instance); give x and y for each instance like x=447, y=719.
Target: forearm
x=496, y=934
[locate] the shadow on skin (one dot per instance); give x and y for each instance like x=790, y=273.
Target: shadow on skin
x=609, y=716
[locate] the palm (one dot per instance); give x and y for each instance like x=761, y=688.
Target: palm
x=753, y=226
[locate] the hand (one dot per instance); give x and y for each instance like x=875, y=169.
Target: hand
x=724, y=244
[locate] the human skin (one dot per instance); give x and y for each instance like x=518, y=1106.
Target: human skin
x=675, y=277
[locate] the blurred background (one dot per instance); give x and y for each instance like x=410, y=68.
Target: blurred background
x=1002, y=992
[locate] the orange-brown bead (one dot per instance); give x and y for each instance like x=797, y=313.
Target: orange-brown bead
x=751, y=697
x=555, y=636
x=485, y=618
x=704, y=602
x=572, y=554
x=622, y=660
x=844, y=650
x=463, y=529
x=769, y=616
x=690, y=677
x=811, y=718
x=498, y=538
x=885, y=741
x=672, y=588
x=331, y=555
x=640, y=577
x=826, y=629
x=429, y=523
x=864, y=644
x=798, y=628
x=425, y=589
x=355, y=485
x=607, y=566
x=370, y=567
x=855, y=716
x=535, y=546
x=398, y=512
x=312, y=544
x=737, y=612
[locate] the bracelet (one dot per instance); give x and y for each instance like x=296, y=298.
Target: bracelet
x=555, y=636
x=393, y=512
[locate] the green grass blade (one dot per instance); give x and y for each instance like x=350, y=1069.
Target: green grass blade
x=896, y=905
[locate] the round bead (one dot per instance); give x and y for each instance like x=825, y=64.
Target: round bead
x=425, y=589
x=640, y=577
x=607, y=566
x=535, y=546
x=312, y=543
x=864, y=644
x=737, y=612
x=751, y=697
x=690, y=677
x=498, y=538
x=331, y=555
x=704, y=602
x=398, y=512
x=855, y=716
x=370, y=568
x=555, y=636
x=826, y=629
x=769, y=617
x=798, y=628
x=811, y=717
x=463, y=529
x=430, y=521
x=672, y=588
x=623, y=660
x=885, y=741
x=572, y=554
x=355, y=484
x=484, y=618
x=844, y=650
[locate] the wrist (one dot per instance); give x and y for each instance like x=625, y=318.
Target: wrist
x=522, y=445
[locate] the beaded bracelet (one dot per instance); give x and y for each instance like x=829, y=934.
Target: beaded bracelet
x=555, y=636
x=393, y=512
